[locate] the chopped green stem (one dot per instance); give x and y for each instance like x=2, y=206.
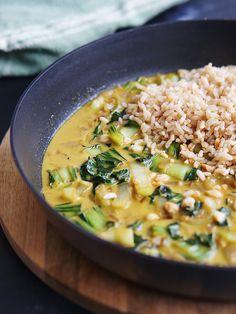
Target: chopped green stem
x=62, y=175
x=97, y=131
x=115, y=135
x=68, y=207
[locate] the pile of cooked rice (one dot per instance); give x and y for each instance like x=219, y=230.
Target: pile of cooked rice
x=198, y=111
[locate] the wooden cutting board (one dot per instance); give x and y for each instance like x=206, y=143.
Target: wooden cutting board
x=61, y=266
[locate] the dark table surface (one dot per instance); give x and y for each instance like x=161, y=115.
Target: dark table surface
x=20, y=291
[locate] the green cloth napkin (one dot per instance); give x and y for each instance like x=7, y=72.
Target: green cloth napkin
x=34, y=33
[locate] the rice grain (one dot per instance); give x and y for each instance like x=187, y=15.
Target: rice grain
x=198, y=109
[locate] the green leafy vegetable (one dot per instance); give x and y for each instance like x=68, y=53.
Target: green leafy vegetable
x=168, y=76
x=156, y=160
x=225, y=210
x=193, y=252
x=115, y=135
x=93, y=150
x=73, y=173
x=132, y=124
x=95, y=218
x=130, y=129
x=191, y=175
x=134, y=155
x=100, y=169
x=138, y=240
x=146, y=161
x=121, y=176
x=195, y=248
x=174, y=231
x=193, y=211
x=110, y=224
x=174, y=150
x=130, y=85
x=83, y=223
x=88, y=170
x=97, y=131
x=158, y=230
x=150, y=161
x=202, y=238
x=144, y=80
x=136, y=224
x=109, y=159
x=176, y=198
x=62, y=175
x=53, y=177
x=116, y=115
x=140, y=157
x=165, y=192
x=177, y=170
x=91, y=220
x=68, y=207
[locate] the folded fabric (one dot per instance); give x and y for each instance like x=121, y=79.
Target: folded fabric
x=33, y=33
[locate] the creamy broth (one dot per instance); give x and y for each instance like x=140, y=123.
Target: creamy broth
x=154, y=204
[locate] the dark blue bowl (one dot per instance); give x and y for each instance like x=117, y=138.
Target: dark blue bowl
x=70, y=82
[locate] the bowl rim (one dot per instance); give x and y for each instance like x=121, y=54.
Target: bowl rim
x=192, y=266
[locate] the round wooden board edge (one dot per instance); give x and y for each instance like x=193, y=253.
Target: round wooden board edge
x=45, y=277
x=55, y=285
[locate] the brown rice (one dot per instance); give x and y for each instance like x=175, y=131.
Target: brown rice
x=199, y=109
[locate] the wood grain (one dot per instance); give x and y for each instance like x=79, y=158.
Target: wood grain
x=61, y=266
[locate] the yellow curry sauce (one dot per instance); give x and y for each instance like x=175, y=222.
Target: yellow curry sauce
x=95, y=175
